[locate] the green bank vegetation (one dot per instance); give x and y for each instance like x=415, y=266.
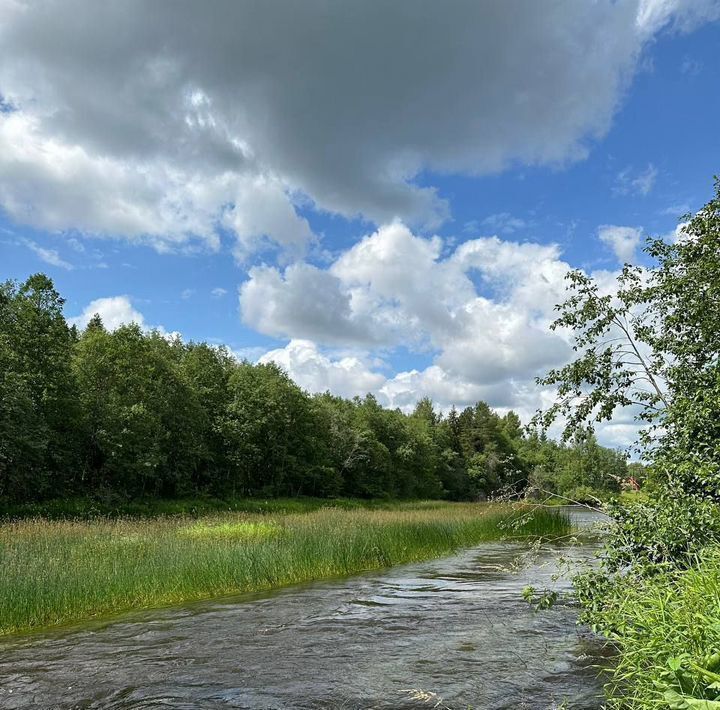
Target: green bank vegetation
x=667, y=629
x=57, y=572
x=654, y=345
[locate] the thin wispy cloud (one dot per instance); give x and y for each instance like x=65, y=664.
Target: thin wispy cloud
x=49, y=256
x=504, y=223
x=633, y=182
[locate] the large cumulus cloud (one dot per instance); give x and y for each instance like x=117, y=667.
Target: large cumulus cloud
x=168, y=120
x=480, y=312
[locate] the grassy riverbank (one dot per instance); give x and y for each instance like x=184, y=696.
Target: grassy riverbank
x=57, y=572
x=666, y=628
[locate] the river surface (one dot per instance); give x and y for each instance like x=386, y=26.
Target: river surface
x=451, y=633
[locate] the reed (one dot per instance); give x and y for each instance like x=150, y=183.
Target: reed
x=58, y=572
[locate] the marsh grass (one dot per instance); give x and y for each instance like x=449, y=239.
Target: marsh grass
x=58, y=572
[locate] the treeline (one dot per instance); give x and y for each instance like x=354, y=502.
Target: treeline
x=131, y=415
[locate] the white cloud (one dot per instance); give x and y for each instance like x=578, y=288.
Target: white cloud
x=500, y=342
x=354, y=374
x=49, y=256
x=623, y=241
x=406, y=388
x=677, y=234
x=302, y=300
x=397, y=281
x=683, y=15
x=347, y=376
x=251, y=353
x=218, y=292
x=165, y=123
x=394, y=288
x=262, y=208
x=114, y=312
x=479, y=315
x=645, y=181
x=55, y=185
x=529, y=275
x=677, y=210
x=76, y=244
x=691, y=67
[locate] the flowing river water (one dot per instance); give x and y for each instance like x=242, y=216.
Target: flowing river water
x=450, y=633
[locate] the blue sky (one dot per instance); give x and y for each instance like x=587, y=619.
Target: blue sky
x=383, y=202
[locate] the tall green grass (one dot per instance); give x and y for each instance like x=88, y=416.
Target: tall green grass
x=54, y=573
x=667, y=631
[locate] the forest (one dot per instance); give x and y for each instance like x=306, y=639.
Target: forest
x=128, y=415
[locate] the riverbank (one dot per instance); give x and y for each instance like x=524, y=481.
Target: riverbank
x=448, y=632
x=666, y=629
x=58, y=572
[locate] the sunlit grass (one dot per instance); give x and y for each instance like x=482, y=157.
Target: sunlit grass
x=243, y=530
x=56, y=572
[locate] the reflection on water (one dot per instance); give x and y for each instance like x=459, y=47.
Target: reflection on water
x=452, y=633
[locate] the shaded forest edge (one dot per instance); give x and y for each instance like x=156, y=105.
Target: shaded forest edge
x=120, y=421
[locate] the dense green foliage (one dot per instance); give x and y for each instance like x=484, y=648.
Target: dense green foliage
x=654, y=344
x=59, y=572
x=127, y=415
x=578, y=471
x=667, y=630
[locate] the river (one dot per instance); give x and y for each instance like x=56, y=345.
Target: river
x=450, y=633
